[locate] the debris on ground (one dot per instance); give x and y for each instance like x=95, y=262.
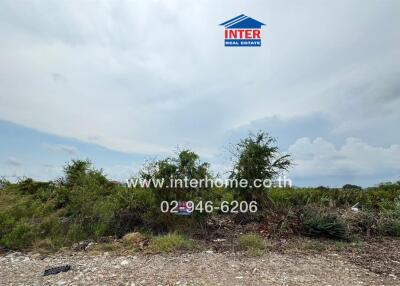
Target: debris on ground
x=56, y=270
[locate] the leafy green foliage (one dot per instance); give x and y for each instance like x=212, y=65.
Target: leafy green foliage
x=80, y=172
x=30, y=186
x=351, y=187
x=257, y=158
x=185, y=166
x=85, y=205
x=82, y=205
x=384, y=222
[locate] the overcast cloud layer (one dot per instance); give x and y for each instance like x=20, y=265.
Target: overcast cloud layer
x=142, y=77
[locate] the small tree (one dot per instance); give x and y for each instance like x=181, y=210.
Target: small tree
x=79, y=172
x=257, y=157
x=351, y=187
x=185, y=165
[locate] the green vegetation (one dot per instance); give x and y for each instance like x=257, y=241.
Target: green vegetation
x=325, y=225
x=85, y=205
x=257, y=158
x=253, y=244
x=169, y=243
x=186, y=165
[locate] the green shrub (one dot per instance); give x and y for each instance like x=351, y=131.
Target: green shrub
x=137, y=208
x=377, y=198
x=19, y=237
x=351, y=187
x=367, y=223
x=76, y=232
x=380, y=222
x=325, y=225
x=257, y=157
x=29, y=186
x=391, y=223
x=169, y=243
x=391, y=227
x=85, y=205
x=186, y=165
x=82, y=172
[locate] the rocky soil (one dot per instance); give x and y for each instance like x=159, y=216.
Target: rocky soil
x=202, y=268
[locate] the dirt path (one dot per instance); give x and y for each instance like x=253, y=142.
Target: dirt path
x=189, y=269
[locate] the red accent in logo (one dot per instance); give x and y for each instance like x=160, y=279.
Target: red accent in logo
x=242, y=34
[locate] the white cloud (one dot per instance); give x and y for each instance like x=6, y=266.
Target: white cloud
x=319, y=157
x=145, y=76
x=11, y=161
x=62, y=149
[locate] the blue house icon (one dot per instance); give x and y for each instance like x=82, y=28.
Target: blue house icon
x=242, y=22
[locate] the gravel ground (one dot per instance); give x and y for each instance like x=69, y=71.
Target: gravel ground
x=204, y=268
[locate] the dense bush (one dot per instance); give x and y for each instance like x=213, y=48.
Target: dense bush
x=375, y=198
x=380, y=222
x=257, y=157
x=82, y=205
x=186, y=165
x=351, y=187
x=85, y=205
x=317, y=224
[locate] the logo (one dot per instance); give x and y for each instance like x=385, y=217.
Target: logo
x=242, y=31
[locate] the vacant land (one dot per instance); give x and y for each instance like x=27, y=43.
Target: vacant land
x=190, y=269
x=110, y=234
x=297, y=262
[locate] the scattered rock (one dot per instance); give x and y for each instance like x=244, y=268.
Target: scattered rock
x=90, y=246
x=209, y=268
x=82, y=245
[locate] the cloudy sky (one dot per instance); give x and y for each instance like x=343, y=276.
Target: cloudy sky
x=121, y=82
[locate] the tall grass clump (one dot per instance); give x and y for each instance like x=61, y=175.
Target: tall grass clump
x=169, y=243
x=253, y=244
x=328, y=225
